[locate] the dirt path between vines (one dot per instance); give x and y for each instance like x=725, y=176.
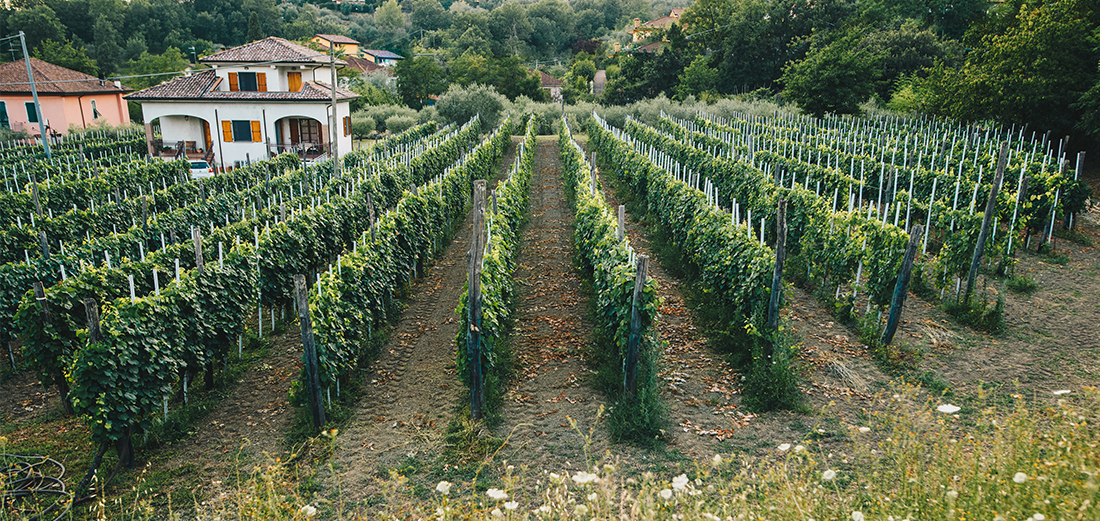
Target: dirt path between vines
x=550, y=335
x=411, y=391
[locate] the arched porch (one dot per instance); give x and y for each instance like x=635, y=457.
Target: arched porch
x=183, y=136
x=302, y=135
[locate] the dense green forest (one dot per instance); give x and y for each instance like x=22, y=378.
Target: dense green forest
x=1014, y=61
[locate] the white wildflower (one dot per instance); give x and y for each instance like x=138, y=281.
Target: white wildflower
x=496, y=513
x=511, y=505
x=828, y=475
x=857, y=516
x=1038, y=517
x=717, y=460
x=584, y=478
x=784, y=447
x=666, y=493
x=680, y=482
x=444, y=487
x=1061, y=392
x=308, y=511
x=1020, y=477
x=948, y=408
x=496, y=494
x=952, y=495
x=581, y=510
x=865, y=429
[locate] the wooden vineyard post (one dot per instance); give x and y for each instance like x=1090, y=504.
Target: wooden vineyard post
x=1021, y=197
x=902, y=287
x=47, y=318
x=94, y=336
x=592, y=172
x=473, y=335
x=370, y=211
x=196, y=235
x=990, y=206
x=34, y=193
x=44, y=245
x=313, y=380
x=635, y=340
x=145, y=215
x=622, y=222
x=777, y=275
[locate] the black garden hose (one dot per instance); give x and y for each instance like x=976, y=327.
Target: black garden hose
x=25, y=483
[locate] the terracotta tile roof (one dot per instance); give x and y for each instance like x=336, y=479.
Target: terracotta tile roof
x=337, y=38
x=367, y=66
x=184, y=87
x=652, y=47
x=548, y=80
x=383, y=54
x=269, y=50
x=51, y=79
x=201, y=86
x=663, y=22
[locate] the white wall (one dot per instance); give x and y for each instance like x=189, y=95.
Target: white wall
x=228, y=152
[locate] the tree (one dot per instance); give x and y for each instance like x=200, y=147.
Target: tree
x=698, y=78
x=171, y=61
x=459, y=104
x=429, y=15
x=389, y=16
x=469, y=68
x=834, y=78
x=509, y=26
x=107, y=48
x=512, y=79
x=418, y=78
x=39, y=24
x=135, y=45
x=1035, y=70
x=254, y=31
x=65, y=54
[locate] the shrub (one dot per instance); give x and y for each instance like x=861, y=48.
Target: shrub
x=361, y=124
x=1021, y=285
x=459, y=104
x=397, y=123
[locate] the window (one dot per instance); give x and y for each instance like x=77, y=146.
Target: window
x=248, y=81
x=347, y=126
x=294, y=80
x=32, y=115
x=95, y=113
x=4, y=123
x=242, y=131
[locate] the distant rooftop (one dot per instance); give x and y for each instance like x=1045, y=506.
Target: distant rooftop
x=203, y=86
x=337, y=38
x=269, y=50
x=383, y=54
x=51, y=79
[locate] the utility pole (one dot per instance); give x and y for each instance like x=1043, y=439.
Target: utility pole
x=335, y=118
x=34, y=94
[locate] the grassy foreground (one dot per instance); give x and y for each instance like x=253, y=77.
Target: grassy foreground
x=992, y=457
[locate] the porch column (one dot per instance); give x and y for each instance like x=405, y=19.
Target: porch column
x=149, y=139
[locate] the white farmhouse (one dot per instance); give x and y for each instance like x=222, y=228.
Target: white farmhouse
x=257, y=100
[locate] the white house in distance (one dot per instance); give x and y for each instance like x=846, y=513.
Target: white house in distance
x=255, y=101
x=384, y=58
